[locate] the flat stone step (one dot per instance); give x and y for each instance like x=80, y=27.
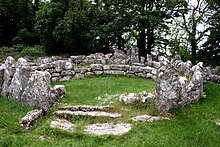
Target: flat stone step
x=108, y=129
x=66, y=113
x=84, y=108
x=63, y=125
x=148, y=118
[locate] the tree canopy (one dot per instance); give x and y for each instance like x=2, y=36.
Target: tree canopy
x=88, y=26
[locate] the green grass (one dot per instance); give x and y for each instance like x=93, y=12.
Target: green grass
x=190, y=126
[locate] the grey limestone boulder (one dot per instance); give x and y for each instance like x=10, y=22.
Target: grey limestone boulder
x=56, y=92
x=9, y=70
x=20, y=80
x=178, y=84
x=38, y=90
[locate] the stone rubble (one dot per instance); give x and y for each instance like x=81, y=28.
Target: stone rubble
x=63, y=125
x=143, y=97
x=148, y=118
x=108, y=129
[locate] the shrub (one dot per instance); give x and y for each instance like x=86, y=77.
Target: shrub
x=35, y=51
x=7, y=49
x=19, y=47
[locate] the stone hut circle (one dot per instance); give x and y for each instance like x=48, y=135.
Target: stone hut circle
x=178, y=83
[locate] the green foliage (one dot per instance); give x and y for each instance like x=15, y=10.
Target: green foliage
x=18, y=18
x=210, y=52
x=203, y=95
x=36, y=51
x=19, y=47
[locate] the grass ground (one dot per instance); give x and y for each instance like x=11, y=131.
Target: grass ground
x=190, y=126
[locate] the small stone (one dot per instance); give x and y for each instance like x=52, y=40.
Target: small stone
x=60, y=89
x=217, y=122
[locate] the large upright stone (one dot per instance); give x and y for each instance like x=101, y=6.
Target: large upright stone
x=178, y=84
x=38, y=89
x=20, y=80
x=166, y=86
x=9, y=70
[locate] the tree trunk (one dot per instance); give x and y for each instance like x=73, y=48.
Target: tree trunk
x=150, y=40
x=141, y=43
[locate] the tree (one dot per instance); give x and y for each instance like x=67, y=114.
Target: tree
x=17, y=20
x=193, y=15
x=210, y=52
x=47, y=19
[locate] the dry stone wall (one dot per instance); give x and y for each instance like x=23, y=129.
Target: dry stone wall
x=178, y=83
x=215, y=75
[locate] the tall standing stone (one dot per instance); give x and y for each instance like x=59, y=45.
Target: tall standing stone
x=166, y=86
x=9, y=70
x=20, y=80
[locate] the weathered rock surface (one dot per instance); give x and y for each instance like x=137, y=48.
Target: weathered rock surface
x=60, y=89
x=63, y=125
x=108, y=129
x=20, y=80
x=142, y=97
x=84, y=108
x=57, y=92
x=30, y=117
x=148, y=118
x=67, y=113
x=9, y=70
x=177, y=83
x=38, y=90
